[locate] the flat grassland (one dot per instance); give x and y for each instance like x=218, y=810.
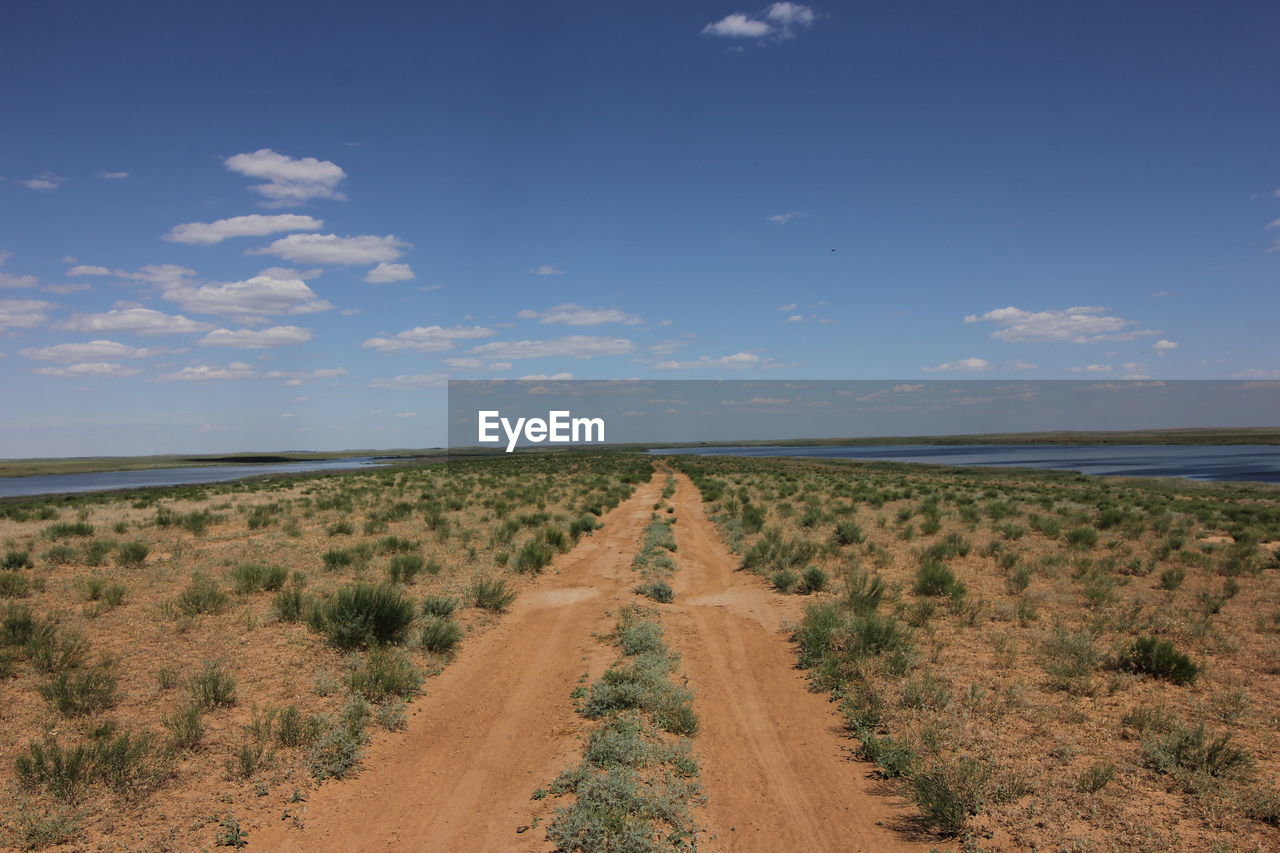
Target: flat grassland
x=1037, y=660
x=612, y=652
x=177, y=661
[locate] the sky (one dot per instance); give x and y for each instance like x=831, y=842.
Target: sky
x=280, y=226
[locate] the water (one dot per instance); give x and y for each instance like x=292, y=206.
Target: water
x=1257, y=463
x=103, y=480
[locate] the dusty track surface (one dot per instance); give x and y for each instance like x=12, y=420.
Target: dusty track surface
x=777, y=775
x=498, y=722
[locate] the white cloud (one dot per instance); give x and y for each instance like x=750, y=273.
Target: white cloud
x=967, y=364
x=296, y=377
x=289, y=273
x=9, y=280
x=573, y=346
x=1162, y=346
x=783, y=19
x=212, y=373
x=411, y=382
x=113, y=176
x=1078, y=325
x=790, y=306
x=737, y=26
x=477, y=364
x=546, y=269
x=385, y=273
x=548, y=376
x=105, y=350
x=427, y=338
x=670, y=346
x=143, y=321
x=257, y=296
x=23, y=313
x=570, y=314
x=276, y=336
x=288, y=181
x=253, y=225
x=784, y=218
x=89, y=369
x=737, y=361
x=85, y=269
x=43, y=182
x=1092, y=368
x=332, y=249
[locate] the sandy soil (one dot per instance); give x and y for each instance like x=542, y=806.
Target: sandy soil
x=498, y=723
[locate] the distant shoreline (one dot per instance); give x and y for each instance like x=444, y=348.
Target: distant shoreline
x=99, y=464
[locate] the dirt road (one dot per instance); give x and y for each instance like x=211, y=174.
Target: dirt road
x=498, y=723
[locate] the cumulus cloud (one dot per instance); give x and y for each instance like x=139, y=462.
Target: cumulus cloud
x=411, y=382
x=385, y=273
x=427, y=338
x=332, y=249
x=784, y=218
x=570, y=314
x=18, y=282
x=86, y=269
x=780, y=20
x=968, y=364
x=43, y=182
x=1162, y=346
x=211, y=373
x=546, y=269
x=288, y=181
x=104, y=350
x=23, y=313
x=1078, y=325
x=572, y=346
x=253, y=225
x=276, y=336
x=142, y=321
x=548, y=376
x=257, y=296
x=89, y=369
x=736, y=361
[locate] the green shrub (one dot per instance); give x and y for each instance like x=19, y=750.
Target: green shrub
x=813, y=580
x=492, y=594
x=403, y=568
x=364, y=614
x=293, y=728
x=1084, y=538
x=252, y=577
x=202, y=596
x=65, y=529
x=848, y=533
x=1186, y=749
x=439, y=605
x=1160, y=659
x=533, y=557
x=185, y=727
x=440, y=634
x=784, y=581
x=948, y=794
x=289, y=604
x=212, y=687
x=131, y=554
x=15, y=560
x=79, y=692
x=1171, y=579
x=1096, y=777
x=336, y=559
x=937, y=579
x=14, y=585
x=659, y=591
x=385, y=672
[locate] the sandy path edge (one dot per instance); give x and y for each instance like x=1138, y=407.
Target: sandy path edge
x=776, y=773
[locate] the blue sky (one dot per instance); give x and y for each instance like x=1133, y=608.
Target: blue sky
x=260, y=226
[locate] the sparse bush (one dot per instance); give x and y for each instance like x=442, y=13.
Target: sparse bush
x=1188, y=750
x=185, y=726
x=492, y=594
x=949, y=793
x=533, y=556
x=253, y=577
x=784, y=581
x=77, y=693
x=1096, y=777
x=403, y=568
x=362, y=615
x=212, y=687
x=937, y=579
x=131, y=554
x=440, y=634
x=1158, y=658
x=659, y=591
x=15, y=560
x=439, y=605
x=813, y=580
x=385, y=672
x=1171, y=579
x=203, y=595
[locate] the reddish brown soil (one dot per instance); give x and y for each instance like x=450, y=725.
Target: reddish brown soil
x=499, y=723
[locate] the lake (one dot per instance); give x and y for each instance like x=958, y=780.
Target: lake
x=100, y=481
x=1255, y=463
